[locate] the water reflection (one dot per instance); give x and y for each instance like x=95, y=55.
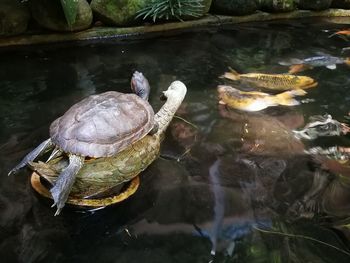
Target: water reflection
x=233, y=183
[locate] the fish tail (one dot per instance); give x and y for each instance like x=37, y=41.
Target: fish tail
x=334, y=34
x=347, y=61
x=341, y=32
x=287, y=98
x=232, y=75
x=298, y=68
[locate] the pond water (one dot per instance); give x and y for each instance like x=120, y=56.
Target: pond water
x=236, y=185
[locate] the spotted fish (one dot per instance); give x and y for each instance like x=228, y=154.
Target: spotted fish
x=273, y=81
x=298, y=65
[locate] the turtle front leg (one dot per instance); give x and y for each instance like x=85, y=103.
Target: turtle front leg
x=65, y=181
x=41, y=149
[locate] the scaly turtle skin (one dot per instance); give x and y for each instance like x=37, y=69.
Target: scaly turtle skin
x=98, y=126
x=101, y=174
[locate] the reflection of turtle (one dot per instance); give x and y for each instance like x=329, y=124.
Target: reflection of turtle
x=112, y=128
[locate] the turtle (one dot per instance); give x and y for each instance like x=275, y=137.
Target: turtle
x=99, y=126
x=102, y=174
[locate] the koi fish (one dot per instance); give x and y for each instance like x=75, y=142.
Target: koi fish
x=256, y=101
x=345, y=32
x=298, y=65
x=273, y=81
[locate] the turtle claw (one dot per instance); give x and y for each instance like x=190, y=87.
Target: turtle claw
x=13, y=171
x=59, y=208
x=55, y=153
x=60, y=200
x=60, y=191
x=58, y=211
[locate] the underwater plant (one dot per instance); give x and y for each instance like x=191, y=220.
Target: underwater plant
x=171, y=9
x=70, y=9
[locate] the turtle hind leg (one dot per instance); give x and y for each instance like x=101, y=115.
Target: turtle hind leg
x=65, y=181
x=42, y=148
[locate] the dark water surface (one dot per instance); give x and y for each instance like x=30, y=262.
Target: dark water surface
x=243, y=190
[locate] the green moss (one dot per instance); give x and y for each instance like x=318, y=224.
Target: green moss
x=117, y=12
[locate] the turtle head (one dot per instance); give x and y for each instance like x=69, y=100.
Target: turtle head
x=140, y=85
x=177, y=90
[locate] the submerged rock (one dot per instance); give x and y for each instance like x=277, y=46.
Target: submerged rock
x=117, y=12
x=314, y=5
x=234, y=7
x=276, y=5
x=341, y=3
x=14, y=17
x=49, y=14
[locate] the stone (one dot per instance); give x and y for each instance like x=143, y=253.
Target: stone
x=341, y=4
x=314, y=5
x=49, y=14
x=275, y=6
x=234, y=7
x=14, y=17
x=206, y=7
x=117, y=12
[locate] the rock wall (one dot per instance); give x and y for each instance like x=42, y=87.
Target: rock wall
x=20, y=17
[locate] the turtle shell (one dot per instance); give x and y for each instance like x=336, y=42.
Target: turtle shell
x=103, y=125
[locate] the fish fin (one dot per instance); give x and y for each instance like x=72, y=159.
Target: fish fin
x=290, y=62
x=298, y=68
x=289, y=102
x=333, y=66
x=284, y=63
x=286, y=98
x=231, y=76
x=347, y=61
x=296, y=61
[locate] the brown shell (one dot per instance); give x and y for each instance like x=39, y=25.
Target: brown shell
x=103, y=125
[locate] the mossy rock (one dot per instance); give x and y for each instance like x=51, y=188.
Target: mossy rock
x=117, y=12
x=275, y=6
x=206, y=6
x=14, y=17
x=49, y=14
x=341, y=4
x=314, y=5
x=234, y=7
